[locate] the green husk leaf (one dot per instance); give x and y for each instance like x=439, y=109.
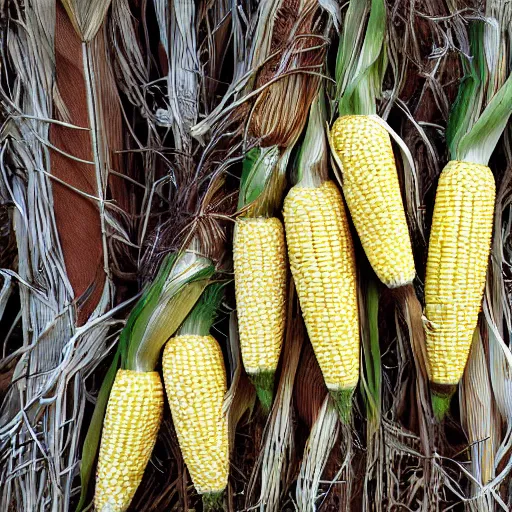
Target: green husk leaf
x=213, y=501
x=479, y=143
x=263, y=383
x=201, y=318
x=312, y=161
x=250, y=187
x=468, y=103
x=261, y=183
x=139, y=317
x=372, y=356
x=440, y=405
x=342, y=399
x=349, y=45
x=92, y=439
x=186, y=282
x=360, y=80
x=472, y=135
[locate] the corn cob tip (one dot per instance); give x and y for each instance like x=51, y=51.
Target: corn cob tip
x=343, y=403
x=213, y=501
x=109, y=507
x=263, y=382
x=401, y=280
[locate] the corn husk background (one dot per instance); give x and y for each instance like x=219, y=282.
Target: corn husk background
x=124, y=124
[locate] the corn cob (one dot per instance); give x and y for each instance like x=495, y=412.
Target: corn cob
x=130, y=430
x=195, y=382
x=372, y=191
x=135, y=397
x=323, y=266
x=260, y=283
x=456, y=266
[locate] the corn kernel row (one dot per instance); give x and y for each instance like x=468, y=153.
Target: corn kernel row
x=458, y=256
x=322, y=262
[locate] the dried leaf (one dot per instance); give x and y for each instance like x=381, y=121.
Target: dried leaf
x=292, y=68
x=86, y=16
x=77, y=216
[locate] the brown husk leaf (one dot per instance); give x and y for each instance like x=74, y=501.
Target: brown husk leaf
x=297, y=51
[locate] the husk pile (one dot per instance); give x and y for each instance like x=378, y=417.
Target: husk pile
x=125, y=124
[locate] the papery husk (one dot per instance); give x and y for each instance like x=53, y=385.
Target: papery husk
x=59, y=188
x=182, y=67
x=294, y=64
x=485, y=391
x=478, y=415
x=323, y=436
x=310, y=389
x=496, y=323
x=216, y=19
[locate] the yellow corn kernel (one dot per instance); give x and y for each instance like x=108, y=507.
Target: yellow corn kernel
x=259, y=256
x=372, y=192
x=195, y=382
x=130, y=429
x=323, y=266
x=458, y=255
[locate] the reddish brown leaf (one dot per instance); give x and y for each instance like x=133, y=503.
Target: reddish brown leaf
x=110, y=117
x=77, y=217
x=310, y=390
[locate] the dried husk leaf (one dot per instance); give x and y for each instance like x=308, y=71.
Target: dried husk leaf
x=317, y=452
x=294, y=64
x=310, y=390
x=110, y=121
x=86, y=16
x=478, y=414
x=77, y=216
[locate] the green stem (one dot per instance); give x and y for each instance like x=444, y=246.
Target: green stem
x=264, y=384
x=213, y=501
x=343, y=402
x=441, y=397
x=371, y=384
